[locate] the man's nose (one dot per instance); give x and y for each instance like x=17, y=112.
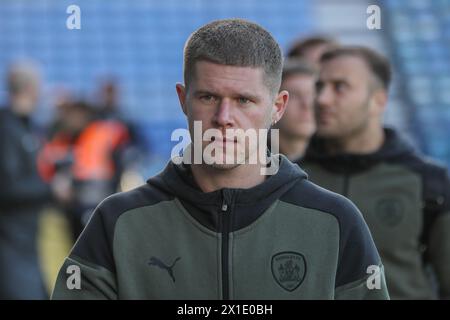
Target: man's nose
x=324, y=98
x=224, y=115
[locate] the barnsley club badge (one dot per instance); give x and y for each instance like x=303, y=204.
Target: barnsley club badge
x=289, y=269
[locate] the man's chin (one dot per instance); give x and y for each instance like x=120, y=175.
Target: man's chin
x=225, y=166
x=300, y=134
x=225, y=162
x=305, y=134
x=327, y=133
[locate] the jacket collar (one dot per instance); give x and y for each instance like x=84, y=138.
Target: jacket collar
x=246, y=204
x=394, y=147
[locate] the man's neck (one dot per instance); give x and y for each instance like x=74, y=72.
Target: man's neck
x=292, y=147
x=211, y=179
x=365, y=142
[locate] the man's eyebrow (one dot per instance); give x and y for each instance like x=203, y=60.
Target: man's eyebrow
x=338, y=79
x=198, y=93
x=332, y=80
x=248, y=95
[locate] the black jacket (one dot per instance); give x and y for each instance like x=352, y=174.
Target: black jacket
x=21, y=188
x=285, y=238
x=405, y=200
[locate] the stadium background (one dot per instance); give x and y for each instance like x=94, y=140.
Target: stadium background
x=140, y=44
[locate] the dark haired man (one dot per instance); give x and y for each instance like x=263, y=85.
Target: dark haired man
x=214, y=230
x=311, y=49
x=404, y=197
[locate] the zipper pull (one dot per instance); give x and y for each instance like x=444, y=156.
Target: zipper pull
x=224, y=206
x=224, y=203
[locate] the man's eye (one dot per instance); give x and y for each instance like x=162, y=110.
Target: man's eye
x=243, y=100
x=319, y=87
x=339, y=87
x=207, y=98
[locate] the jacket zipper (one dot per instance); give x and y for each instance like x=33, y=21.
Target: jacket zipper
x=346, y=184
x=225, y=217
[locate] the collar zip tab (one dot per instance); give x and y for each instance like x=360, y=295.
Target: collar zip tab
x=224, y=207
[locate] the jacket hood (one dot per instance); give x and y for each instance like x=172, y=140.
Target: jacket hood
x=177, y=179
x=394, y=148
x=247, y=204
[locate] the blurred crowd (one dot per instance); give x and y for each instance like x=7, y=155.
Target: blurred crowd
x=53, y=177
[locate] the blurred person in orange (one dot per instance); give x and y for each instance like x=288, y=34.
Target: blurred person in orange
x=83, y=158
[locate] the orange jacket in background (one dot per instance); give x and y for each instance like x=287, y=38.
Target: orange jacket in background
x=92, y=151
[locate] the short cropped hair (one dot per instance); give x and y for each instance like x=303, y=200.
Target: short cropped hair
x=235, y=42
x=295, y=66
x=298, y=49
x=378, y=64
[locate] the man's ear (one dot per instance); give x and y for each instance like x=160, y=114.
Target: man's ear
x=279, y=106
x=181, y=92
x=379, y=101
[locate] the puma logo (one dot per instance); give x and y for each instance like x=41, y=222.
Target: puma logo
x=156, y=262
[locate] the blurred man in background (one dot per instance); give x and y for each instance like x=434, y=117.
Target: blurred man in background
x=298, y=123
x=404, y=198
x=311, y=48
x=22, y=192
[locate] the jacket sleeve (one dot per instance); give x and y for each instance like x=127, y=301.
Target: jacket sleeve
x=439, y=241
x=94, y=282
x=371, y=287
x=360, y=272
x=89, y=271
